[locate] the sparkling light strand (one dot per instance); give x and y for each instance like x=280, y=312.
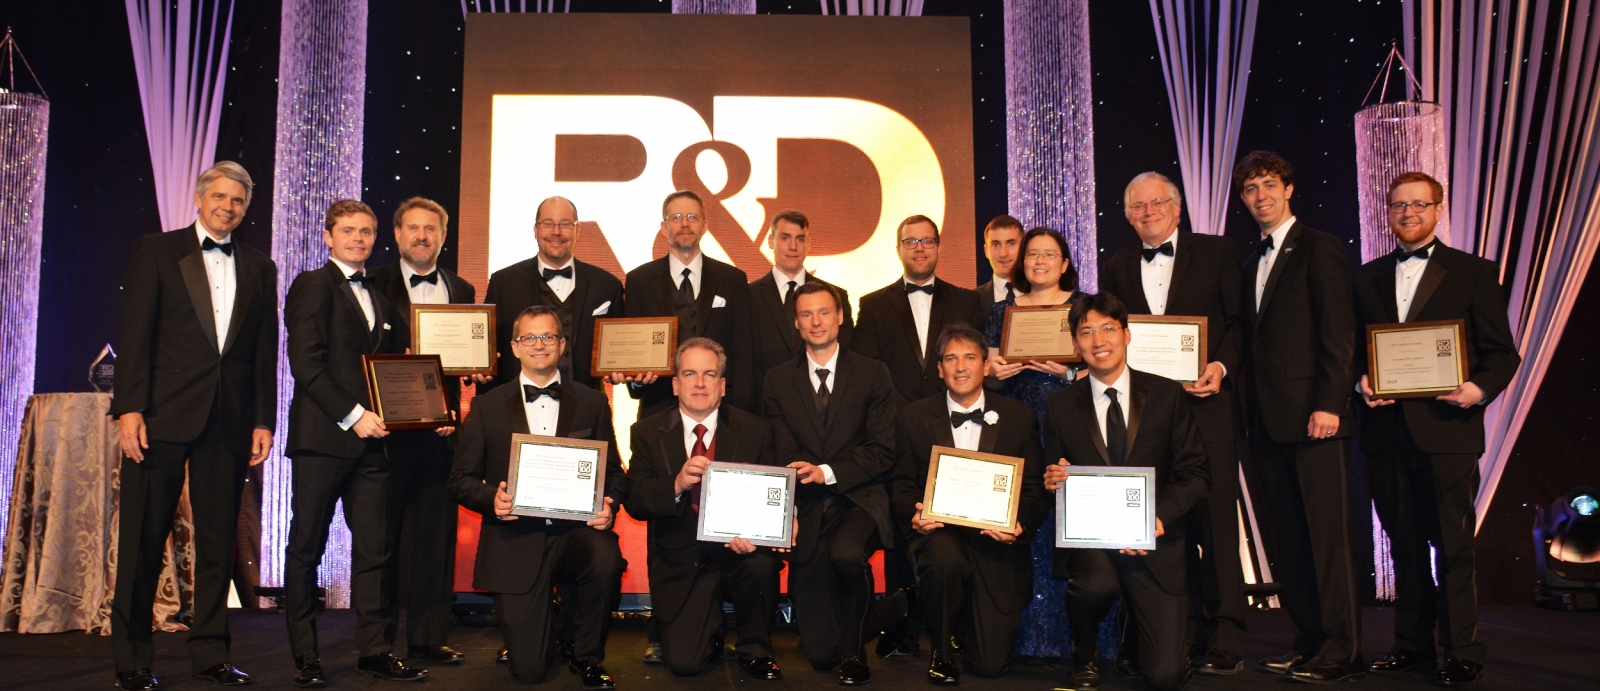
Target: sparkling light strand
x=713, y=6
x=1395, y=138
x=24, y=135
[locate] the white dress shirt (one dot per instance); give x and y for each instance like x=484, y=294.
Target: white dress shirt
x=969, y=433
x=366, y=308
x=1264, y=268
x=832, y=365
x=921, y=308
x=675, y=269
x=1407, y=274
x=783, y=281
x=1102, y=403
x=435, y=293
x=1001, y=285
x=223, y=280
x=1156, y=275
x=688, y=431
x=542, y=413
x=561, y=285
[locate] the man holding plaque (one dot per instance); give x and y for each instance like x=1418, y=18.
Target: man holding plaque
x=1423, y=452
x=1190, y=274
x=336, y=445
x=422, y=514
x=972, y=581
x=521, y=557
x=1119, y=416
x=773, y=338
x=690, y=579
x=840, y=406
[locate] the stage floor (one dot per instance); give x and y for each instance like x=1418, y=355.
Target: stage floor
x=1529, y=648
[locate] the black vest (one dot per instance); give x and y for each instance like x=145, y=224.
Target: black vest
x=687, y=311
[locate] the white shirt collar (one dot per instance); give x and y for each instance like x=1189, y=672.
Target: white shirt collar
x=545, y=265
x=907, y=279
x=1121, y=385
x=675, y=267
x=346, y=268
x=1280, y=231
x=554, y=381
x=1172, y=239
x=202, y=234
x=407, y=272
x=710, y=422
x=832, y=365
x=783, y=279
x=951, y=405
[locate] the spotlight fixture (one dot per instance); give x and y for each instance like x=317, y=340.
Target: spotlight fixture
x=1566, y=542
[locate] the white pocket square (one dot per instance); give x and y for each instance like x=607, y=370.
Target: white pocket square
x=602, y=309
x=718, y=302
x=386, y=327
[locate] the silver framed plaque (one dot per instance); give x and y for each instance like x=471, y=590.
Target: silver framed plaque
x=755, y=502
x=1106, y=507
x=556, y=477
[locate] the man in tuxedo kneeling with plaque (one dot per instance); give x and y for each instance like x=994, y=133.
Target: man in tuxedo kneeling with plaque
x=689, y=579
x=1117, y=416
x=974, y=583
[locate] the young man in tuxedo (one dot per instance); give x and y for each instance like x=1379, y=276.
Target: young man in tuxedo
x=774, y=340
x=974, y=584
x=1423, y=452
x=1118, y=416
x=689, y=580
x=336, y=448
x=1002, y=244
x=709, y=298
x=422, y=517
x=196, y=393
x=576, y=291
x=1301, y=342
x=1196, y=275
x=840, y=407
x=521, y=558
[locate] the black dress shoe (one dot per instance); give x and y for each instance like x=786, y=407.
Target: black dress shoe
x=1321, y=670
x=652, y=654
x=1458, y=673
x=1125, y=665
x=308, y=673
x=223, y=674
x=1280, y=664
x=137, y=680
x=504, y=656
x=943, y=671
x=1085, y=676
x=854, y=671
x=1398, y=660
x=763, y=668
x=592, y=674
x=389, y=668
x=437, y=654
x=1218, y=663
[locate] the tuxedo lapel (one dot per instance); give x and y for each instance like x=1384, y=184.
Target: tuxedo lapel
x=1432, y=276
x=192, y=265
x=837, y=388
x=519, y=414
x=1132, y=276
x=936, y=312
x=568, y=408
x=729, y=440
x=1135, y=410
x=580, y=291
x=672, y=451
x=989, y=435
x=708, y=293
x=943, y=433
x=1386, y=288
x=766, y=294
x=1092, y=422
x=244, y=291
x=908, y=323
x=1285, y=254
x=1180, y=263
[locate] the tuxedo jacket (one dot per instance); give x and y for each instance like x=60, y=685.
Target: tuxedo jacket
x=1007, y=569
x=595, y=294
x=658, y=455
x=1162, y=434
x=511, y=553
x=1206, y=282
x=985, y=298
x=1455, y=285
x=328, y=334
x=855, y=438
x=391, y=281
x=650, y=290
x=773, y=338
x=1302, y=338
x=887, y=332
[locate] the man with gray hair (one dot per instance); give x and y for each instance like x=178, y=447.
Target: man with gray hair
x=196, y=395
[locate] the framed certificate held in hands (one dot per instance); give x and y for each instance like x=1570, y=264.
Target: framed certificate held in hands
x=972, y=489
x=407, y=391
x=461, y=335
x=1416, y=359
x=634, y=345
x=755, y=502
x=556, y=477
x=1107, y=507
x=1168, y=345
x=1038, y=332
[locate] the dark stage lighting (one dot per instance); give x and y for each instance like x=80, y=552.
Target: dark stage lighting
x=1566, y=540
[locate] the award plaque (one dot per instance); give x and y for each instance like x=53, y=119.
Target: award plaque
x=1101, y=507
x=634, y=345
x=1170, y=346
x=1038, y=332
x=556, y=477
x=972, y=489
x=407, y=391
x=755, y=502
x=461, y=335
x=1416, y=359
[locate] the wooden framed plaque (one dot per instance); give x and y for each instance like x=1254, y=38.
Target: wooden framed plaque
x=1038, y=332
x=755, y=502
x=1416, y=359
x=461, y=335
x=972, y=489
x=556, y=477
x=1106, y=507
x=1171, y=346
x=634, y=346
x=407, y=391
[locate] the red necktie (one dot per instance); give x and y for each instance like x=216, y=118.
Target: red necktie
x=700, y=449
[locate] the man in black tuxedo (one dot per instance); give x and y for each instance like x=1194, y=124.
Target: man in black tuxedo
x=336, y=447
x=1002, y=243
x=689, y=580
x=900, y=322
x=974, y=583
x=773, y=338
x=1121, y=416
x=1423, y=453
x=709, y=298
x=1302, y=332
x=1196, y=275
x=422, y=517
x=840, y=407
x=521, y=558
x=198, y=387
x=578, y=292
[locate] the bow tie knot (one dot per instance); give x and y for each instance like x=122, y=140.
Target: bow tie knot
x=1418, y=253
x=208, y=244
x=1265, y=246
x=914, y=288
x=359, y=277
x=1150, y=253
x=973, y=416
x=419, y=279
x=553, y=273
x=532, y=393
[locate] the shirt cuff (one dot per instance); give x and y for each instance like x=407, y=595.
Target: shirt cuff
x=1224, y=369
x=351, y=419
x=827, y=474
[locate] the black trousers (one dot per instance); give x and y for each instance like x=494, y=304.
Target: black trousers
x=1306, y=491
x=149, y=502
x=1426, y=503
x=832, y=591
x=363, y=484
x=1155, y=616
x=423, y=532
x=1216, y=578
x=591, y=563
x=692, y=641
x=956, y=604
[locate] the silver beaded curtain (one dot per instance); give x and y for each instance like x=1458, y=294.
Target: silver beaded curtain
x=322, y=74
x=713, y=6
x=24, y=134
x=1050, y=124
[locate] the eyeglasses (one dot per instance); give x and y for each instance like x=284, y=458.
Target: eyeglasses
x=1419, y=207
x=527, y=340
x=1089, y=331
x=552, y=225
x=1140, y=207
x=913, y=243
x=1052, y=256
x=679, y=218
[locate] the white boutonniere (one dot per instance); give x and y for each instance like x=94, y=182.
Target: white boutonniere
x=991, y=417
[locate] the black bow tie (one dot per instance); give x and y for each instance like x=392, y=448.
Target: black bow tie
x=1150, y=253
x=1418, y=253
x=532, y=393
x=959, y=419
x=361, y=278
x=552, y=273
x=913, y=288
x=208, y=244
x=1265, y=246
x=419, y=279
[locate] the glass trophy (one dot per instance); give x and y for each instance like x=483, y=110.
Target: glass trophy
x=103, y=370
